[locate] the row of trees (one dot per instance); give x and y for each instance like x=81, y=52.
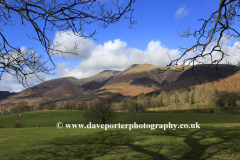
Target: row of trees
x=142, y=103
x=101, y=111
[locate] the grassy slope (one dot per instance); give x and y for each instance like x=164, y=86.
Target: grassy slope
x=218, y=137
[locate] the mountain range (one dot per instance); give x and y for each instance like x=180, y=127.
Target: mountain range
x=136, y=79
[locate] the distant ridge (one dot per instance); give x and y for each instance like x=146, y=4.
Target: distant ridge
x=5, y=94
x=110, y=71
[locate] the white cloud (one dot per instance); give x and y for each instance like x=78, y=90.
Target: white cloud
x=11, y=84
x=62, y=65
x=116, y=56
x=181, y=12
x=68, y=41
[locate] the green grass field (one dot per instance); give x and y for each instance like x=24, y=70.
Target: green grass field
x=217, y=138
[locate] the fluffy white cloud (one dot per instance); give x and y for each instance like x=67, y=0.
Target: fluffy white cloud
x=68, y=41
x=181, y=12
x=116, y=56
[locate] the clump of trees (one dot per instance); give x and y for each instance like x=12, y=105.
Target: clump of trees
x=100, y=111
x=130, y=105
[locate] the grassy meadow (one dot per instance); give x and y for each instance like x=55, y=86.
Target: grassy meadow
x=217, y=138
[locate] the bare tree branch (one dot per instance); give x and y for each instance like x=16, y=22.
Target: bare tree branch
x=65, y=16
x=222, y=19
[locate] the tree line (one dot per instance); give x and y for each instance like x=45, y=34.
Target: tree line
x=185, y=96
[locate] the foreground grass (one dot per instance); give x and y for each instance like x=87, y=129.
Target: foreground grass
x=218, y=137
x=209, y=142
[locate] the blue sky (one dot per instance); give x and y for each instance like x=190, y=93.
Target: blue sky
x=117, y=46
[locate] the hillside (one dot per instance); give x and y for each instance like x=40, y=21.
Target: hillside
x=139, y=78
x=204, y=74
x=230, y=84
x=136, y=79
x=61, y=88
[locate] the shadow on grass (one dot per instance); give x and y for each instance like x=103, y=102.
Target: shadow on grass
x=122, y=143
x=197, y=148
